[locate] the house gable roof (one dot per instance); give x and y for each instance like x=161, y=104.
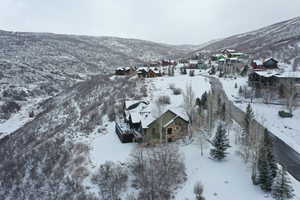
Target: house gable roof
x=177, y=115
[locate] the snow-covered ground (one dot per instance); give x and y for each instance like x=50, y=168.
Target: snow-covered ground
x=161, y=86
x=107, y=147
x=287, y=129
x=229, y=179
x=20, y=118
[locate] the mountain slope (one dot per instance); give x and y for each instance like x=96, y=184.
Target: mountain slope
x=66, y=55
x=41, y=65
x=280, y=40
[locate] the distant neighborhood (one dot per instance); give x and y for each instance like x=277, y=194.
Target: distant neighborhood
x=267, y=81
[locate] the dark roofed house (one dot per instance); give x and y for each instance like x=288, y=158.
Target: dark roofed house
x=270, y=63
x=125, y=71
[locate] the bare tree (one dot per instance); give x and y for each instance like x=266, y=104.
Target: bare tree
x=198, y=191
x=157, y=171
x=111, y=179
x=290, y=92
x=189, y=103
x=159, y=108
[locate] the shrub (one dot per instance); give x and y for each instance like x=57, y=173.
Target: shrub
x=177, y=91
x=111, y=179
x=164, y=100
x=285, y=114
x=10, y=107
x=157, y=171
x=31, y=114
x=192, y=73
x=198, y=191
x=183, y=70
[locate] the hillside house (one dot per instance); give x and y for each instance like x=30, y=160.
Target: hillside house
x=274, y=80
x=149, y=72
x=228, y=52
x=141, y=124
x=121, y=71
x=268, y=64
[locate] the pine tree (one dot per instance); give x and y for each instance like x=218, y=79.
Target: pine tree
x=204, y=100
x=247, y=123
x=240, y=91
x=281, y=188
x=220, y=144
x=268, y=144
x=265, y=178
x=223, y=112
x=267, y=166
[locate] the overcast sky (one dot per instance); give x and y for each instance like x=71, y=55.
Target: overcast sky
x=170, y=21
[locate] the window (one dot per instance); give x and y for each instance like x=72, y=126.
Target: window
x=169, y=131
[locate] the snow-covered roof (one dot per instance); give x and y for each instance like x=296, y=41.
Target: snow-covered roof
x=238, y=54
x=142, y=68
x=258, y=62
x=193, y=61
x=135, y=117
x=179, y=112
x=276, y=73
x=289, y=75
x=270, y=58
x=267, y=73
x=229, y=50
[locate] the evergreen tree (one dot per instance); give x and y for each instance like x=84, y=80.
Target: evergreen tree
x=204, y=100
x=198, y=102
x=240, y=91
x=281, y=188
x=235, y=86
x=223, y=112
x=244, y=71
x=220, y=144
x=212, y=71
x=268, y=144
x=266, y=164
x=247, y=123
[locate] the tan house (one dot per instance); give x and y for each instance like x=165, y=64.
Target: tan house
x=172, y=124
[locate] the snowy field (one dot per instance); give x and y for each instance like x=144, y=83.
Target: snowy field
x=17, y=120
x=161, y=86
x=229, y=179
x=287, y=129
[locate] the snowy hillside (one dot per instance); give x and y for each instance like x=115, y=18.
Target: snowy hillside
x=41, y=65
x=281, y=40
